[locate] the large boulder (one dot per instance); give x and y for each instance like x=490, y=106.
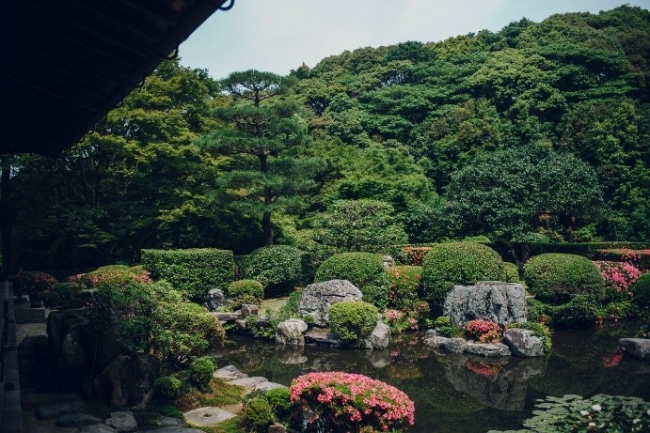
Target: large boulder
x=636, y=347
x=502, y=303
x=524, y=343
x=131, y=380
x=318, y=297
x=215, y=299
x=291, y=332
x=380, y=336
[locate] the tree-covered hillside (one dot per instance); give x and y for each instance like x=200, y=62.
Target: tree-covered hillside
x=402, y=126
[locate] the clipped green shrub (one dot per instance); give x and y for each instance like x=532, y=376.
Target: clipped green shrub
x=580, y=312
x=201, y=370
x=66, y=295
x=277, y=267
x=364, y=270
x=642, y=291
x=352, y=320
x=192, y=271
x=169, y=387
x=281, y=406
x=512, y=272
x=537, y=310
x=555, y=278
x=113, y=277
x=245, y=292
x=404, y=282
x=454, y=263
x=257, y=415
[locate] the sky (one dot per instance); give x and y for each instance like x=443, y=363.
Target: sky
x=280, y=35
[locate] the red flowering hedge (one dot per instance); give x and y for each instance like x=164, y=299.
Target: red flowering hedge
x=485, y=331
x=619, y=275
x=639, y=258
x=32, y=282
x=345, y=402
x=404, y=283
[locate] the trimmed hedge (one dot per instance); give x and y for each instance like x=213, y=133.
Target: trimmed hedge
x=586, y=249
x=245, y=292
x=454, y=263
x=364, y=270
x=556, y=278
x=191, y=271
x=277, y=267
x=351, y=321
x=642, y=291
x=404, y=282
x=512, y=272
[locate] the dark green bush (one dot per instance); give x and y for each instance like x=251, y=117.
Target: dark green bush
x=580, y=312
x=512, y=272
x=257, y=415
x=642, y=291
x=364, y=270
x=169, y=387
x=461, y=263
x=352, y=320
x=63, y=296
x=112, y=277
x=192, y=271
x=201, y=371
x=404, y=282
x=245, y=292
x=536, y=310
x=32, y=283
x=281, y=406
x=277, y=267
x=556, y=278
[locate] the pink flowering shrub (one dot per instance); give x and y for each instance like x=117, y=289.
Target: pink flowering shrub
x=115, y=276
x=485, y=331
x=342, y=402
x=32, y=282
x=620, y=276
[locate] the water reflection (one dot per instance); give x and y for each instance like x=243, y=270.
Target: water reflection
x=455, y=393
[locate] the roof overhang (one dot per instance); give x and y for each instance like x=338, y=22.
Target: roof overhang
x=66, y=63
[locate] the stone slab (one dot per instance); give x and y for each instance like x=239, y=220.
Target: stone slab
x=207, y=416
x=248, y=382
x=76, y=420
x=229, y=372
x=56, y=410
x=267, y=386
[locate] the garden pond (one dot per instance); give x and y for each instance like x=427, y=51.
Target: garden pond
x=457, y=393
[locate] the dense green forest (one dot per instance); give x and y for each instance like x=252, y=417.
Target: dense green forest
x=540, y=131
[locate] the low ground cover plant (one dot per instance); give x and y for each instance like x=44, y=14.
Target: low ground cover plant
x=339, y=402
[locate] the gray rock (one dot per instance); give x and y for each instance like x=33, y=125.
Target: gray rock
x=435, y=341
x=524, y=343
x=277, y=428
x=291, y=332
x=122, y=421
x=388, y=261
x=290, y=355
x=215, y=299
x=636, y=347
x=207, y=416
x=380, y=336
x=132, y=379
x=454, y=345
x=175, y=429
x=496, y=350
x=379, y=358
x=249, y=310
x=502, y=303
x=318, y=297
x=168, y=421
x=98, y=428
x=267, y=386
x=76, y=420
x=322, y=336
x=229, y=372
x=248, y=382
x=56, y=410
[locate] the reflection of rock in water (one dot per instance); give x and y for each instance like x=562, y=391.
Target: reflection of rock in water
x=290, y=355
x=497, y=383
x=378, y=358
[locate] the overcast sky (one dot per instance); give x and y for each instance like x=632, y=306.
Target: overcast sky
x=279, y=35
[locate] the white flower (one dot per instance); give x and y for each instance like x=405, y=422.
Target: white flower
x=584, y=412
x=636, y=421
x=597, y=407
x=592, y=424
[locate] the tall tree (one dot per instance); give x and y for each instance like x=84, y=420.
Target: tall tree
x=264, y=176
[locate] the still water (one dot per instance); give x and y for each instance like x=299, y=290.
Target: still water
x=457, y=393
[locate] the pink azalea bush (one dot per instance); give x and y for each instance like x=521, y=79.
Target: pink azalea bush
x=620, y=275
x=345, y=402
x=32, y=282
x=485, y=331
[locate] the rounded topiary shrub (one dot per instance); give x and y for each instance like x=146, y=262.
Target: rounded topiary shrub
x=404, y=282
x=201, y=371
x=277, y=267
x=352, y=320
x=246, y=292
x=169, y=387
x=555, y=278
x=257, y=415
x=512, y=272
x=641, y=291
x=364, y=270
x=454, y=263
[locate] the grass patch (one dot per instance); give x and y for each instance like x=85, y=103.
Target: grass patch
x=148, y=417
x=229, y=426
x=220, y=394
x=272, y=304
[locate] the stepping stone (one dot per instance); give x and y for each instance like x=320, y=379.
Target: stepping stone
x=56, y=410
x=175, y=430
x=77, y=420
x=267, y=386
x=207, y=416
x=248, y=382
x=122, y=421
x=229, y=372
x=168, y=421
x=98, y=428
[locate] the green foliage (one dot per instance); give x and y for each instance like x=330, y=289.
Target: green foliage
x=32, y=283
x=169, y=387
x=580, y=312
x=462, y=263
x=444, y=328
x=352, y=320
x=277, y=267
x=245, y=292
x=573, y=413
x=539, y=330
x=512, y=272
x=281, y=406
x=404, y=282
x=201, y=370
x=364, y=270
x=537, y=310
x=63, y=296
x=257, y=415
x=555, y=278
x=112, y=277
x=192, y=271
x=642, y=291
